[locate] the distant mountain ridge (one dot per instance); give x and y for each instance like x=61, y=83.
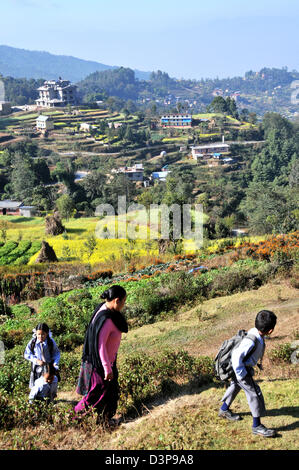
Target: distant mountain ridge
x=22, y=63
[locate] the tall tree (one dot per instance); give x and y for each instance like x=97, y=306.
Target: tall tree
x=23, y=178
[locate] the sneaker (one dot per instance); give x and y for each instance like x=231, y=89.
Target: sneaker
x=229, y=415
x=261, y=430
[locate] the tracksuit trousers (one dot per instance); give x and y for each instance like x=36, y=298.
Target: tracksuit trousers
x=253, y=394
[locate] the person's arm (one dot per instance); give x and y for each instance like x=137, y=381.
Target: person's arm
x=238, y=356
x=103, y=350
x=36, y=389
x=56, y=354
x=30, y=356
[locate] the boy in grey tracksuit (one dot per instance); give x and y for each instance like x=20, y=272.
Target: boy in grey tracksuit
x=264, y=325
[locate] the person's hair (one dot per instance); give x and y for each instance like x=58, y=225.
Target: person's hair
x=265, y=321
x=49, y=368
x=114, y=292
x=43, y=327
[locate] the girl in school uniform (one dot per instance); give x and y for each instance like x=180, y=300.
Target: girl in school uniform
x=41, y=350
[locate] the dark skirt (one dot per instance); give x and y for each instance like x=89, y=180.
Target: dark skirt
x=102, y=395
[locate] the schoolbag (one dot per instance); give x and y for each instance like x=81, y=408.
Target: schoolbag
x=223, y=368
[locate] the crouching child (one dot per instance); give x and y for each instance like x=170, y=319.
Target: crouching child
x=45, y=387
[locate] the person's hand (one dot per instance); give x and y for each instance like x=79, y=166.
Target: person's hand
x=39, y=362
x=109, y=376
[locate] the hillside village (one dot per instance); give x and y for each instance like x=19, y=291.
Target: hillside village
x=141, y=147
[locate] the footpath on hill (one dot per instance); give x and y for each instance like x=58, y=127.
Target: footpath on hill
x=188, y=419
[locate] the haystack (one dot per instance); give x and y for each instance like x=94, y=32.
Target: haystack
x=46, y=254
x=54, y=225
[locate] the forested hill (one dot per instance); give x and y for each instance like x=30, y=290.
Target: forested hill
x=21, y=63
x=267, y=90
x=270, y=89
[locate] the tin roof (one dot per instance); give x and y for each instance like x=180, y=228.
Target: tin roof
x=8, y=204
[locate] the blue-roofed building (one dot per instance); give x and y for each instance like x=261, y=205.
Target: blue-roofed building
x=160, y=175
x=176, y=120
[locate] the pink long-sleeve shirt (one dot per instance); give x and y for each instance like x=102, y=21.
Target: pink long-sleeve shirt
x=108, y=341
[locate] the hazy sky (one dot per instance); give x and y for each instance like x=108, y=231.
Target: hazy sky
x=189, y=39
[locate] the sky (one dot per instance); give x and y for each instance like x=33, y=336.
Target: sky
x=190, y=39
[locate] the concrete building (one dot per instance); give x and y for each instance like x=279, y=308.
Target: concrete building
x=200, y=151
x=134, y=173
x=176, y=120
x=44, y=123
x=58, y=93
x=86, y=127
x=28, y=211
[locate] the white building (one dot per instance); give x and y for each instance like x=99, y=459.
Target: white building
x=28, y=211
x=209, y=149
x=58, y=93
x=86, y=127
x=134, y=173
x=44, y=123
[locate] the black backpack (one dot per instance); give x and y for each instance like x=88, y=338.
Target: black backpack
x=223, y=368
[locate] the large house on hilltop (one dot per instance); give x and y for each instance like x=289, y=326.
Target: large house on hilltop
x=58, y=93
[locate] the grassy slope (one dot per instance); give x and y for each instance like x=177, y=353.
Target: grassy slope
x=189, y=420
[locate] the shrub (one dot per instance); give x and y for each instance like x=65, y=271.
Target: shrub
x=238, y=279
x=69, y=367
x=143, y=378
x=281, y=353
x=69, y=341
x=15, y=372
x=4, y=309
x=12, y=338
x=68, y=313
x=100, y=275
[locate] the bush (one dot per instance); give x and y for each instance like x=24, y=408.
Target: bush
x=15, y=372
x=69, y=367
x=100, y=275
x=69, y=341
x=281, y=353
x=18, y=327
x=143, y=378
x=239, y=279
x=68, y=313
x=12, y=338
x=4, y=309
x=162, y=295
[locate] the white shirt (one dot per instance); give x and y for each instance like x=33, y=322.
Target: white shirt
x=240, y=352
x=43, y=389
x=37, y=353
